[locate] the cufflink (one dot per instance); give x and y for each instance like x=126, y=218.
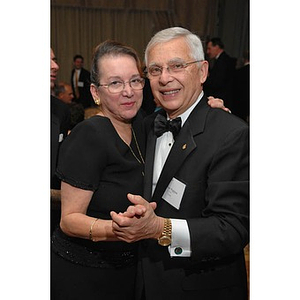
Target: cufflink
x=178, y=250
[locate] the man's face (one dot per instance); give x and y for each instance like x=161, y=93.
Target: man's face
x=212, y=51
x=78, y=63
x=53, y=68
x=67, y=95
x=178, y=91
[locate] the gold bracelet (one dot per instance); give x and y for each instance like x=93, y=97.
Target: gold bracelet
x=91, y=229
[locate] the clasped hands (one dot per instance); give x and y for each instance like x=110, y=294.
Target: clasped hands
x=138, y=222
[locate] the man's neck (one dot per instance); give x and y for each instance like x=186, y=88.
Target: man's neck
x=218, y=55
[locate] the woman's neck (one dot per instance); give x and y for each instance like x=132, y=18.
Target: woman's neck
x=123, y=128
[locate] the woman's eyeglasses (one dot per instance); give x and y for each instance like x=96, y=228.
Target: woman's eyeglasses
x=118, y=86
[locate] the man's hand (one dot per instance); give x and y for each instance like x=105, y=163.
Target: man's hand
x=138, y=221
x=217, y=103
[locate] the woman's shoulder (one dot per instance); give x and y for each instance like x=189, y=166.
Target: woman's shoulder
x=91, y=131
x=95, y=123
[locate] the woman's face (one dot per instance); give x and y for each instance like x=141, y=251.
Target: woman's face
x=124, y=105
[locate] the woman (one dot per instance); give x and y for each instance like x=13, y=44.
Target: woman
x=99, y=163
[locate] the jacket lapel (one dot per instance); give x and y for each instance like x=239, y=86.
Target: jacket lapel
x=149, y=162
x=183, y=146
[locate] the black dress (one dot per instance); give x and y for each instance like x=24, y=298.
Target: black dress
x=94, y=157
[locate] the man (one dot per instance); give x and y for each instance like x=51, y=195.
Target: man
x=60, y=119
x=63, y=91
x=197, y=179
x=241, y=92
x=80, y=81
x=220, y=79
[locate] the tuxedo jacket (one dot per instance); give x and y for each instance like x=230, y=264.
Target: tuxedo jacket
x=85, y=97
x=60, y=123
x=241, y=99
x=210, y=157
x=220, y=80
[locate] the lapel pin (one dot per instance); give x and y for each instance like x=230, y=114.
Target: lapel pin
x=184, y=147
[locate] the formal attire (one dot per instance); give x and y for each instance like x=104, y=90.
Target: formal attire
x=220, y=79
x=60, y=123
x=241, y=93
x=203, y=186
x=80, y=81
x=148, y=104
x=94, y=157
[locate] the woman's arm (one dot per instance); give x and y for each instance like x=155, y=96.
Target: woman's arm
x=74, y=221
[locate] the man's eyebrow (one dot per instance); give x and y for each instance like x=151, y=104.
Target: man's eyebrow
x=172, y=60
x=176, y=59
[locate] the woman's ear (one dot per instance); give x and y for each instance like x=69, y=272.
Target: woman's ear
x=94, y=91
x=95, y=94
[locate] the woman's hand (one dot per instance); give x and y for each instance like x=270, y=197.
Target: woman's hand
x=217, y=103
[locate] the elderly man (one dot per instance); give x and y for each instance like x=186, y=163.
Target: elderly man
x=64, y=92
x=196, y=176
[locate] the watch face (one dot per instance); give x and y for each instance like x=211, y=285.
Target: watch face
x=165, y=241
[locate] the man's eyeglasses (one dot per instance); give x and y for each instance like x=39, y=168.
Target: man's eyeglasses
x=118, y=86
x=173, y=68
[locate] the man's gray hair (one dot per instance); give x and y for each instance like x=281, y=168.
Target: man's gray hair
x=172, y=33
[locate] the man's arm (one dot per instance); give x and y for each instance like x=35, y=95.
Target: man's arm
x=224, y=219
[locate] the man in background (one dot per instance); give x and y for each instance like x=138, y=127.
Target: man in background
x=63, y=91
x=241, y=90
x=80, y=81
x=219, y=83
x=60, y=124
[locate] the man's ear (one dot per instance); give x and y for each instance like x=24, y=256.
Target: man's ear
x=203, y=71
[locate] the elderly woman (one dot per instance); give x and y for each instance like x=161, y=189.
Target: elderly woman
x=99, y=163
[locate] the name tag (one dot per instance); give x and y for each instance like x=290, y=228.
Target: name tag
x=174, y=193
x=80, y=84
x=60, y=137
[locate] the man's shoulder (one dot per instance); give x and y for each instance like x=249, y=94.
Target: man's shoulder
x=58, y=107
x=225, y=58
x=223, y=120
x=85, y=71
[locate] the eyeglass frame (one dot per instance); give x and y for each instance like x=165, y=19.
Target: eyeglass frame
x=184, y=66
x=142, y=81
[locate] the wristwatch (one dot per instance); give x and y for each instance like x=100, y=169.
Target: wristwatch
x=166, y=237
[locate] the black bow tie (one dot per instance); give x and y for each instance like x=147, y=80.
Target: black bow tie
x=162, y=125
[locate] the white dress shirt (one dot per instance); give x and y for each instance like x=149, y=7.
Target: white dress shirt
x=74, y=76
x=180, y=245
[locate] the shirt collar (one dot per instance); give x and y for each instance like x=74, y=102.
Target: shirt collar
x=219, y=54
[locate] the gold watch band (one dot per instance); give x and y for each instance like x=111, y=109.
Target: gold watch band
x=166, y=236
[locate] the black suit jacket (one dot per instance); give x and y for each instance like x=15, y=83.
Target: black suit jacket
x=210, y=156
x=60, y=124
x=241, y=99
x=85, y=97
x=220, y=80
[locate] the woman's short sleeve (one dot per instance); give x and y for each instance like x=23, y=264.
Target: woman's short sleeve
x=82, y=155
